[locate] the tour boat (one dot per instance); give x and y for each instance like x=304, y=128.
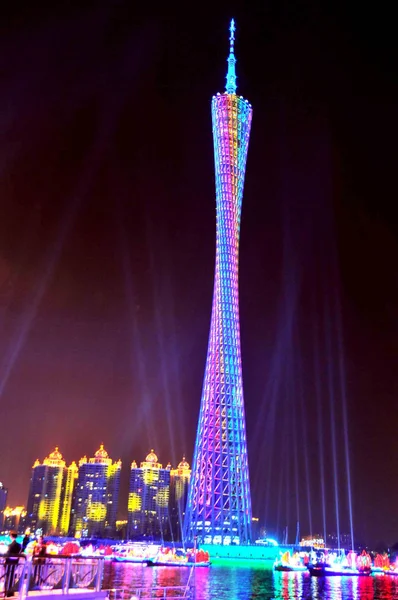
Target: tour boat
x=134, y=553
x=382, y=565
x=379, y=571
x=129, y=559
x=162, y=562
x=323, y=570
x=298, y=568
x=288, y=562
x=170, y=558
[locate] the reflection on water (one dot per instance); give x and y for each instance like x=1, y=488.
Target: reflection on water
x=255, y=581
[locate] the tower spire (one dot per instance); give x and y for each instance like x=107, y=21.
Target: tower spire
x=230, y=87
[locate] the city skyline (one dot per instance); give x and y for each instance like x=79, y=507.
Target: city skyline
x=177, y=494
x=107, y=249
x=82, y=499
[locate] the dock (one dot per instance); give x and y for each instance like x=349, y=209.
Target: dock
x=77, y=577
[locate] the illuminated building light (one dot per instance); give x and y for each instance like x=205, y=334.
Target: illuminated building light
x=162, y=498
x=14, y=519
x=14, y=512
x=96, y=511
x=219, y=490
x=134, y=503
x=314, y=542
x=150, y=476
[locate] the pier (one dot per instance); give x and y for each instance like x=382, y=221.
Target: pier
x=80, y=577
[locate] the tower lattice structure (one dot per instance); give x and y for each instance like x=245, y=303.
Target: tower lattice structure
x=219, y=503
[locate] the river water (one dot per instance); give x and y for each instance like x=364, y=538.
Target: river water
x=255, y=581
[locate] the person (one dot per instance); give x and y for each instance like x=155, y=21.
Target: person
x=25, y=541
x=13, y=552
x=39, y=553
x=39, y=547
x=14, y=548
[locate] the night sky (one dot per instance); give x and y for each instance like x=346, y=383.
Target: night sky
x=107, y=244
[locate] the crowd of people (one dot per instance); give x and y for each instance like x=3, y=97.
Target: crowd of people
x=35, y=547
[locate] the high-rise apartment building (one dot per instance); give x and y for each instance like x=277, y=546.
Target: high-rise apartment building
x=148, y=504
x=96, y=496
x=3, y=504
x=179, y=482
x=219, y=503
x=45, y=493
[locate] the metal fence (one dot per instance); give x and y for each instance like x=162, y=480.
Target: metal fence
x=24, y=574
x=154, y=593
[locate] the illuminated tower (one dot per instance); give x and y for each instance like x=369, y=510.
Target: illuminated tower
x=96, y=496
x=219, y=504
x=45, y=493
x=148, y=505
x=179, y=482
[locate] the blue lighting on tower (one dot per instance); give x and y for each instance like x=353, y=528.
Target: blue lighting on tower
x=219, y=503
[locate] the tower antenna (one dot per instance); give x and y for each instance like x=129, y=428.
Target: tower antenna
x=230, y=87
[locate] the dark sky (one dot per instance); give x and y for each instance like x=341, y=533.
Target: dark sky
x=107, y=239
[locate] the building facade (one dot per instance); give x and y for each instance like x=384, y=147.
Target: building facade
x=68, y=486
x=3, y=504
x=45, y=494
x=148, y=503
x=179, y=482
x=15, y=519
x=95, y=496
x=219, y=502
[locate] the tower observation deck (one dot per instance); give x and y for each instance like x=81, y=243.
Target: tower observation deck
x=219, y=504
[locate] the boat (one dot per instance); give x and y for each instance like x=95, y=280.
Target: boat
x=379, y=571
x=297, y=568
x=129, y=559
x=134, y=553
x=324, y=570
x=178, y=558
x=383, y=566
x=288, y=562
x=175, y=563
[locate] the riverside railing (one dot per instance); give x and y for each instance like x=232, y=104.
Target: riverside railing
x=151, y=593
x=23, y=574
x=154, y=592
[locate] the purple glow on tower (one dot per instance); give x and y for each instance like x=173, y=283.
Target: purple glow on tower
x=219, y=503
